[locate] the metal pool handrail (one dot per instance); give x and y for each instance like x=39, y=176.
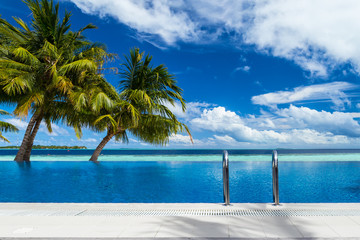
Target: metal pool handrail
x=275, y=177
x=226, y=177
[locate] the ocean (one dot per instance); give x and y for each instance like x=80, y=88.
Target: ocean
x=195, y=155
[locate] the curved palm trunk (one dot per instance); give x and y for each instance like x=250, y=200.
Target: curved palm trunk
x=100, y=147
x=27, y=154
x=27, y=137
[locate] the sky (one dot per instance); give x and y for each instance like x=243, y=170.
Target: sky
x=255, y=74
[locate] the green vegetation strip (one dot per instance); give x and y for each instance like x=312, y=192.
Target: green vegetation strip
x=46, y=147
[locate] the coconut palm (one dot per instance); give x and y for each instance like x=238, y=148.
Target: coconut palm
x=141, y=109
x=48, y=70
x=6, y=127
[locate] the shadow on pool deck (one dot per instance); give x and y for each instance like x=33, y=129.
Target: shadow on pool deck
x=230, y=226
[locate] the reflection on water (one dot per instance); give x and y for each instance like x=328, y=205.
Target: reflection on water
x=24, y=164
x=355, y=188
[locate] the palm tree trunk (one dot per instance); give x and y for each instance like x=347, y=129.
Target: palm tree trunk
x=106, y=139
x=27, y=154
x=20, y=154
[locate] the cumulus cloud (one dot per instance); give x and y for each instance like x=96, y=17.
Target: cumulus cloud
x=193, y=109
x=334, y=92
x=293, y=126
x=318, y=35
x=310, y=136
x=226, y=139
x=160, y=17
x=227, y=122
x=338, y=123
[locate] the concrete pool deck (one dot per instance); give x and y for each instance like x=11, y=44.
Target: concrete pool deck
x=179, y=221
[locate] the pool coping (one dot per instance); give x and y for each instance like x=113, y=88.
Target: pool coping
x=44, y=220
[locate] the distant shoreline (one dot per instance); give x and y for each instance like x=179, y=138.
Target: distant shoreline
x=46, y=147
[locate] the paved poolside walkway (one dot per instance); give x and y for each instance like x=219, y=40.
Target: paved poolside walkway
x=179, y=221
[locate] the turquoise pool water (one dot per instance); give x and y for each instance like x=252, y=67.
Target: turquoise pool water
x=178, y=178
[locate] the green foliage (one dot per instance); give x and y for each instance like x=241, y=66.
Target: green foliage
x=145, y=93
x=6, y=127
x=45, y=67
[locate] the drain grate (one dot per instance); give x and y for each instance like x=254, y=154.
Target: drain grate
x=218, y=212
x=182, y=212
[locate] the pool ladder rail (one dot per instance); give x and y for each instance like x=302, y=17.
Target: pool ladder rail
x=275, y=178
x=226, y=178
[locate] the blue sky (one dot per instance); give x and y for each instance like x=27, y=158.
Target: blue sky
x=255, y=74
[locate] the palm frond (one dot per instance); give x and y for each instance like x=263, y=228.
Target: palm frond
x=63, y=84
x=111, y=120
x=11, y=64
x=3, y=138
x=3, y=112
x=48, y=125
x=122, y=137
x=7, y=127
x=79, y=65
x=25, y=56
x=101, y=101
x=32, y=100
x=17, y=85
x=78, y=99
x=10, y=32
x=78, y=131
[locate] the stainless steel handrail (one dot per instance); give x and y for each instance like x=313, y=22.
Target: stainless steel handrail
x=226, y=177
x=275, y=177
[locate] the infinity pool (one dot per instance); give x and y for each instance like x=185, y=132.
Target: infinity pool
x=177, y=182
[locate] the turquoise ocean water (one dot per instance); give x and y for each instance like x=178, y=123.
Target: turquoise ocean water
x=179, y=155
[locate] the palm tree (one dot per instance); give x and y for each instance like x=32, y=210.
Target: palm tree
x=141, y=107
x=47, y=69
x=6, y=127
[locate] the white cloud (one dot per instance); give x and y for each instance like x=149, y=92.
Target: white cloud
x=329, y=91
x=56, y=130
x=354, y=114
x=318, y=35
x=132, y=140
x=90, y=140
x=226, y=140
x=180, y=139
x=20, y=124
x=221, y=121
x=242, y=69
x=44, y=142
x=160, y=17
x=338, y=123
x=193, y=109
x=289, y=127
x=313, y=137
